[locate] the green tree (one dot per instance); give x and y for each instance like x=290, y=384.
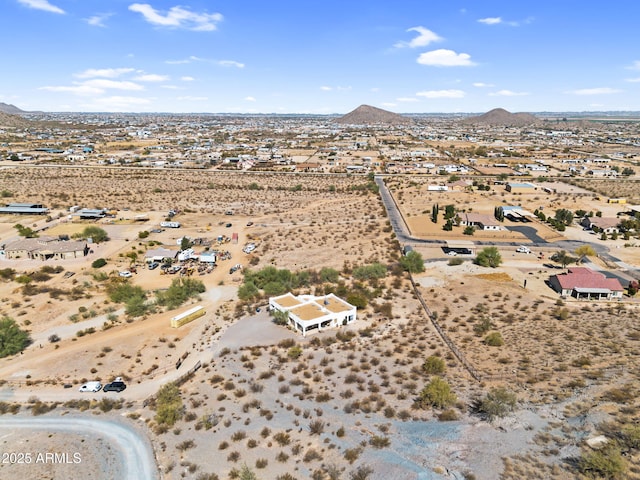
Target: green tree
x=248, y=291
x=563, y=258
x=436, y=394
x=449, y=211
x=329, y=275
x=412, y=262
x=434, y=213
x=96, y=234
x=25, y=232
x=489, y=257
x=584, y=251
x=469, y=230
x=185, y=243
x=12, y=339
x=499, y=402
x=280, y=317
x=564, y=216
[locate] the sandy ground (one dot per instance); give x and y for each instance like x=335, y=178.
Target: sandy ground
x=250, y=389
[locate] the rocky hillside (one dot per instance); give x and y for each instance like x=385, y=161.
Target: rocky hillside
x=11, y=109
x=367, y=115
x=12, y=121
x=499, y=116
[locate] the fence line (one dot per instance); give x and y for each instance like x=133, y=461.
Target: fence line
x=452, y=346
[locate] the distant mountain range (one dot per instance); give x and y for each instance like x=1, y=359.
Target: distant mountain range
x=11, y=109
x=368, y=115
x=499, y=116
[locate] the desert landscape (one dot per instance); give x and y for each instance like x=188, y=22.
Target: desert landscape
x=253, y=397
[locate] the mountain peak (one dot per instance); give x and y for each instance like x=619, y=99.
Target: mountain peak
x=367, y=115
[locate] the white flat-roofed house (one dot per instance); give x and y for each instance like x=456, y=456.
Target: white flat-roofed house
x=309, y=312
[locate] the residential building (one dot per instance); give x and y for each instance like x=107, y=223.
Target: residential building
x=584, y=283
x=310, y=313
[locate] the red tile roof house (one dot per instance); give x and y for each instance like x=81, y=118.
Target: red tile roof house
x=584, y=283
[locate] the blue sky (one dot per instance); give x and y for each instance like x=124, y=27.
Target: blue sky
x=314, y=56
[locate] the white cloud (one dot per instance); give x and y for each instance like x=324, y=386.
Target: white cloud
x=105, y=84
x=103, y=72
x=482, y=85
x=41, y=5
x=407, y=99
x=187, y=79
x=190, y=98
x=633, y=80
x=151, y=77
x=634, y=66
x=171, y=87
x=490, y=20
x=178, y=17
x=374, y=89
x=441, y=94
x=595, y=91
x=98, y=20
x=230, y=63
x=84, y=90
x=325, y=88
x=445, y=58
x=190, y=59
x=424, y=38
x=118, y=103
x=250, y=99
x=389, y=104
x=507, y=93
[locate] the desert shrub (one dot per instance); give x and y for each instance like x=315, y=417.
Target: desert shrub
x=351, y=454
x=434, y=365
x=370, y=272
x=98, y=263
x=449, y=415
x=412, y=262
x=379, y=442
x=169, y=407
x=604, y=463
x=436, y=394
x=361, y=473
x=180, y=290
x=494, y=339
x=489, y=257
x=316, y=427
x=282, y=438
x=497, y=403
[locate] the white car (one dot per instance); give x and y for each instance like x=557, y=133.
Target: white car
x=453, y=253
x=126, y=274
x=90, y=387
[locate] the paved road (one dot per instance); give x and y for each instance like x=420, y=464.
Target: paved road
x=404, y=236
x=138, y=459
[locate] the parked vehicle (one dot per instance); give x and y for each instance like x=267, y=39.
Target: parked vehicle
x=116, y=386
x=523, y=249
x=125, y=274
x=94, y=386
